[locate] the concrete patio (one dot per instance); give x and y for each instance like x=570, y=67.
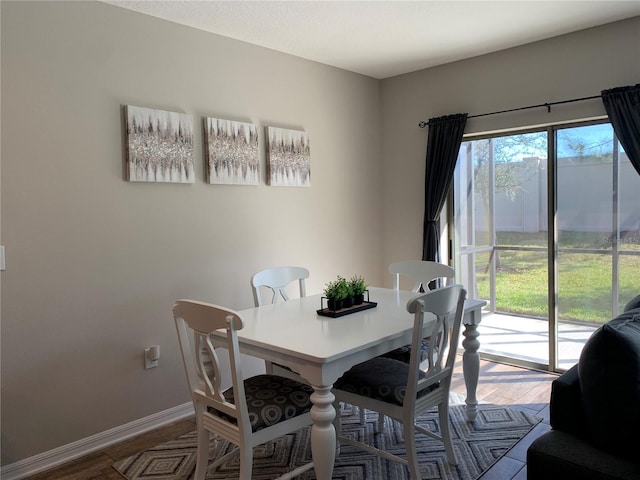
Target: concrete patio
x=527, y=339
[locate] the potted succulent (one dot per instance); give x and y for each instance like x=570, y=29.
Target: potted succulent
x=336, y=292
x=358, y=286
x=348, y=301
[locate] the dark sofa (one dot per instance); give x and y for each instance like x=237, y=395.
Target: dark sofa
x=595, y=409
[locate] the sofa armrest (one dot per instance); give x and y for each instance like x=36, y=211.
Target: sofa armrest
x=566, y=412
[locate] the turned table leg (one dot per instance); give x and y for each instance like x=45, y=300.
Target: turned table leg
x=471, y=368
x=323, y=434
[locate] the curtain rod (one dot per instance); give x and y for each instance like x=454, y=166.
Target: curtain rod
x=548, y=105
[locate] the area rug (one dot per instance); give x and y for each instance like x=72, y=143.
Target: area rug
x=477, y=445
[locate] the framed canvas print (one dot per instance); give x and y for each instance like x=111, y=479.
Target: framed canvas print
x=232, y=152
x=288, y=158
x=159, y=146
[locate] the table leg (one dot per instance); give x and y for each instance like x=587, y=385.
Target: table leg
x=471, y=368
x=323, y=434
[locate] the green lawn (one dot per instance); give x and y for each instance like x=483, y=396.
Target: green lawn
x=584, y=280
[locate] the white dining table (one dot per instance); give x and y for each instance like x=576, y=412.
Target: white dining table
x=321, y=349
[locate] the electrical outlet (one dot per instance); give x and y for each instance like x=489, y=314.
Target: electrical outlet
x=151, y=357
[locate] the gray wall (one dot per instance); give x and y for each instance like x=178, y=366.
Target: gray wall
x=94, y=263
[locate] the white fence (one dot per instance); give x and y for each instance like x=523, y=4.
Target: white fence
x=585, y=199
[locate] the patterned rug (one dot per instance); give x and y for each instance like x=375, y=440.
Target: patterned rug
x=477, y=447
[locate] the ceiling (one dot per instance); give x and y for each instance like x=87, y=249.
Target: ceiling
x=382, y=39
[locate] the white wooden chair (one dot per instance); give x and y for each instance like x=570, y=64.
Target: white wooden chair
x=378, y=384
x=421, y=272
x=236, y=414
x=277, y=279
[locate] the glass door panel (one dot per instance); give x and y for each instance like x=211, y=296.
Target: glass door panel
x=628, y=253
x=500, y=217
x=586, y=232
x=629, y=271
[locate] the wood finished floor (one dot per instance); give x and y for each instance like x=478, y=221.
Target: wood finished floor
x=500, y=384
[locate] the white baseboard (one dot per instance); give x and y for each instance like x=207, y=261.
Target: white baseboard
x=66, y=453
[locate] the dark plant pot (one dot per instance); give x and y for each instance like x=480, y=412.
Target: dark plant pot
x=347, y=302
x=358, y=299
x=334, y=304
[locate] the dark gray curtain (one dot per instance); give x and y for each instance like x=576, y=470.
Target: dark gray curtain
x=623, y=107
x=443, y=143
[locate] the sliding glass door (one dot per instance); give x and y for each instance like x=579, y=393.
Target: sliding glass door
x=548, y=283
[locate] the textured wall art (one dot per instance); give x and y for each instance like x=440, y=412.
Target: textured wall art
x=159, y=146
x=232, y=152
x=288, y=158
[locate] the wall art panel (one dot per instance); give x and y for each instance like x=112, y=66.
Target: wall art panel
x=288, y=158
x=159, y=146
x=232, y=152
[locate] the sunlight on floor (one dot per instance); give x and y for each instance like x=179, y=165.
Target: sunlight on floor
x=527, y=338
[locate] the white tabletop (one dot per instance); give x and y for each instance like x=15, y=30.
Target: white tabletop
x=295, y=327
